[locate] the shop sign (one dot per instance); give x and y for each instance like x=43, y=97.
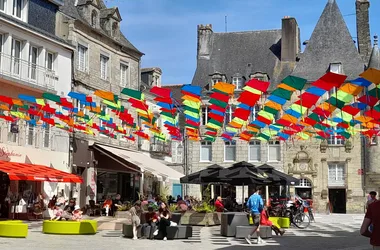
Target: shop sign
x=5, y=154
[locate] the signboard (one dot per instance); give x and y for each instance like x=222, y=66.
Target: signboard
x=5, y=154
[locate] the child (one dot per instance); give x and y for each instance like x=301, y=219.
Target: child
x=57, y=212
x=77, y=214
x=264, y=221
x=135, y=213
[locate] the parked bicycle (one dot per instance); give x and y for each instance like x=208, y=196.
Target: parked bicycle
x=296, y=212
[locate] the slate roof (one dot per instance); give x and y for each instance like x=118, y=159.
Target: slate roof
x=33, y=28
x=176, y=91
x=71, y=10
x=233, y=52
x=374, y=61
x=330, y=42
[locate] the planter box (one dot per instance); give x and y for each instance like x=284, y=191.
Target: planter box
x=200, y=219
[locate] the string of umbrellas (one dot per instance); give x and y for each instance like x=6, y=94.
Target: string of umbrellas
x=241, y=174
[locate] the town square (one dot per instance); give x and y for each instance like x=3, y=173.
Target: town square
x=189, y=124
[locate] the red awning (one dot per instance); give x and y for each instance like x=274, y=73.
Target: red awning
x=30, y=172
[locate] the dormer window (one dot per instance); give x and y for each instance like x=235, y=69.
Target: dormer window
x=238, y=82
x=114, y=29
x=336, y=68
x=259, y=76
x=94, y=18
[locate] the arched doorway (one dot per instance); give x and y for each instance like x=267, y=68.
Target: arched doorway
x=305, y=189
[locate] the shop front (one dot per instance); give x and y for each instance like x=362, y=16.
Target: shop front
x=22, y=189
x=19, y=188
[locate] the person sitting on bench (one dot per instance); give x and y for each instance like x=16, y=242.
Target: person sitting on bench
x=264, y=221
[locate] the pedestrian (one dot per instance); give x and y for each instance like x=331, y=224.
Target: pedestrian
x=256, y=205
x=371, y=198
x=219, y=204
x=150, y=225
x=164, y=216
x=372, y=217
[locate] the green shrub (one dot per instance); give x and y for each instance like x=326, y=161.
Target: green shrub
x=204, y=207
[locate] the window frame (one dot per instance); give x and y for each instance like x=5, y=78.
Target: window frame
x=46, y=132
x=126, y=65
x=84, y=67
x=273, y=143
x=207, y=110
x=257, y=143
x=101, y=123
x=229, y=145
x=336, y=182
x=33, y=65
x=254, y=112
x=14, y=9
x=303, y=183
x=229, y=112
x=237, y=81
x=5, y=2
x=53, y=57
x=14, y=58
x=332, y=140
x=29, y=128
x=104, y=73
x=207, y=144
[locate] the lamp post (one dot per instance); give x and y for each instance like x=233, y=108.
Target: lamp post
x=184, y=161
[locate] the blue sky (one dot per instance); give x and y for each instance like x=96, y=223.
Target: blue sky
x=166, y=30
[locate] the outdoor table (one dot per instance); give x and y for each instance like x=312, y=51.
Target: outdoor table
x=230, y=221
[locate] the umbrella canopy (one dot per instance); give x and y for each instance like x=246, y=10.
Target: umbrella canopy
x=243, y=173
x=207, y=175
x=278, y=177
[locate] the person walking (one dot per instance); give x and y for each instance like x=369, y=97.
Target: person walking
x=372, y=217
x=371, y=198
x=255, y=205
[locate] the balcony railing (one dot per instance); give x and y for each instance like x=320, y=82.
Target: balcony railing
x=160, y=148
x=25, y=71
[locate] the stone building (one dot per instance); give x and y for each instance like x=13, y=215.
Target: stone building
x=105, y=60
x=330, y=172
x=33, y=61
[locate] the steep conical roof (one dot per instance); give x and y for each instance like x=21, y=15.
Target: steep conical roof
x=330, y=42
x=374, y=61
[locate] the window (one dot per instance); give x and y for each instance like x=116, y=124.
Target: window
x=2, y=5
x=50, y=61
x=103, y=67
x=17, y=8
x=336, y=68
x=30, y=129
x=336, y=174
x=16, y=54
x=304, y=183
x=274, y=151
x=229, y=114
x=1, y=46
x=46, y=132
x=94, y=18
x=114, y=28
x=254, y=113
x=254, y=151
x=238, y=82
x=123, y=75
x=205, y=118
x=13, y=132
x=104, y=110
x=335, y=140
x=82, y=58
x=206, y=151
x=230, y=151
x=33, y=59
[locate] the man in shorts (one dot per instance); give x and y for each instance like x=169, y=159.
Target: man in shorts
x=255, y=205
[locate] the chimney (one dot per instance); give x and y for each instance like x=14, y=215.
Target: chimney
x=290, y=40
x=204, y=41
x=362, y=27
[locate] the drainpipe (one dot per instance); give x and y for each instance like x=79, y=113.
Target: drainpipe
x=138, y=118
x=364, y=167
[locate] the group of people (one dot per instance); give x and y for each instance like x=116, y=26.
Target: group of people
x=154, y=221
x=260, y=217
x=69, y=212
x=110, y=206
x=371, y=223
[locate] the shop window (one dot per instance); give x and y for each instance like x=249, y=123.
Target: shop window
x=230, y=151
x=206, y=151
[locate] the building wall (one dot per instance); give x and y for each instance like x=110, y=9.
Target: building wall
x=42, y=15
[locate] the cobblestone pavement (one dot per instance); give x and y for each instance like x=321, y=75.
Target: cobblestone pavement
x=339, y=232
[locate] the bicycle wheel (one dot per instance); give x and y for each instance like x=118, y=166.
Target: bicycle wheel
x=301, y=220
x=311, y=215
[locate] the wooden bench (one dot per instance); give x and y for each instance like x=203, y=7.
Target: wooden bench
x=243, y=231
x=70, y=227
x=13, y=229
